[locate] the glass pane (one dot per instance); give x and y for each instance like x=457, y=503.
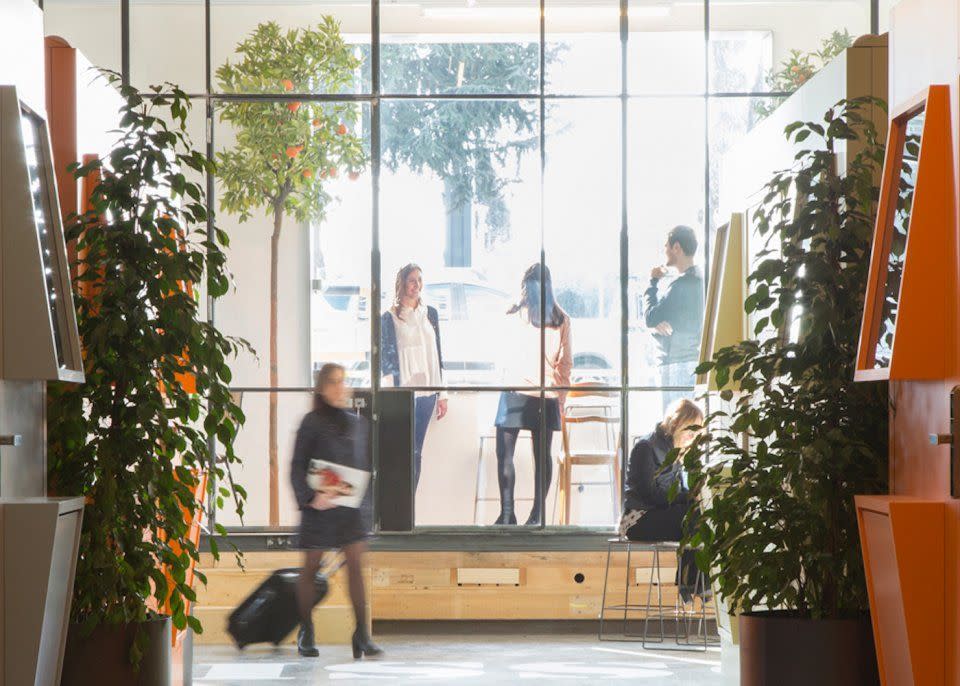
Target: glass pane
x=666, y=198
x=301, y=47
x=737, y=142
x=589, y=460
x=777, y=45
x=747, y=147
x=666, y=48
x=460, y=482
x=152, y=61
x=252, y=446
x=452, y=47
x=582, y=189
x=583, y=47
x=322, y=240
x=460, y=197
x=646, y=415
x=92, y=28
x=898, y=240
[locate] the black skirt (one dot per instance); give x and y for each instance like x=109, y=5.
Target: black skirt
x=519, y=411
x=329, y=529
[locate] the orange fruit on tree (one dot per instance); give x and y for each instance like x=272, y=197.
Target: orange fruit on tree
x=293, y=106
x=354, y=175
x=342, y=129
x=316, y=122
x=294, y=150
x=287, y=84
x=307, y=173
x=333, y=172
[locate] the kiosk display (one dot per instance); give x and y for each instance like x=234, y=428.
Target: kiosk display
x=36, y=298
x=37, y=168
x=897, y=250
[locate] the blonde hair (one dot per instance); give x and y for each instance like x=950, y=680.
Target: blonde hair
x=680, y=415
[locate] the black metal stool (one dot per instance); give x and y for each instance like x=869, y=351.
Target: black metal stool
x=683, y=620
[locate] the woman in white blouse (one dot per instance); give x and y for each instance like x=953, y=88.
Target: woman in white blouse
x=411, y=354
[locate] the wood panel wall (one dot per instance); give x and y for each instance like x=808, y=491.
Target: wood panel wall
x=424, y=586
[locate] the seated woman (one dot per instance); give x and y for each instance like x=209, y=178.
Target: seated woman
x=649, y=515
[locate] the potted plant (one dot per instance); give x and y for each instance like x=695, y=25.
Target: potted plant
x=784, y=459
x=138, y=438
x=799, y=67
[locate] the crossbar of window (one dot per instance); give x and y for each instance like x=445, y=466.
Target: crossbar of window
x=371, y=98
x=469, y=389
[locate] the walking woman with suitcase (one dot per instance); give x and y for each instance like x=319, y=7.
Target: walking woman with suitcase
x=330, y=432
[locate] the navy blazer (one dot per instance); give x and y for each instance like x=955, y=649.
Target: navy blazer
x=390, y=355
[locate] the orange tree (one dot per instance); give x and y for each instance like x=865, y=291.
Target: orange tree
x=286, y=151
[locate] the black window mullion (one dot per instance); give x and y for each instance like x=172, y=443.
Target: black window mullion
x=375, y=264
x=624, y=245
x=541, y=470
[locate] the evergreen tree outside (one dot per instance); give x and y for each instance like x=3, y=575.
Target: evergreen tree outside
x=464, y=143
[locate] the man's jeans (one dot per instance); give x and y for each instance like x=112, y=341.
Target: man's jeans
x=676, y=374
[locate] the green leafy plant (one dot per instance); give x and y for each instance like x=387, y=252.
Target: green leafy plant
x=285, y=152
x=137, y=438
x=782, y=465
x=801, y=66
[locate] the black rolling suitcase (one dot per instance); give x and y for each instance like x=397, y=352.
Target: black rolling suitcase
x=269, y=614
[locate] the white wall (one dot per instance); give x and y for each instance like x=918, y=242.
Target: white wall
x=23, y=403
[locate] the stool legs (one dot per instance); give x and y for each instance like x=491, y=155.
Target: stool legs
x=476, y=491
x=603, y=600
x=684, y=621
x=626, y=591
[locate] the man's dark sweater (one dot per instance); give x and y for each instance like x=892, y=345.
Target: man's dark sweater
x=682, y=307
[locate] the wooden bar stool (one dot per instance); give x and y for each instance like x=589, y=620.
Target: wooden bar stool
x=603, y=415
x=481, y=482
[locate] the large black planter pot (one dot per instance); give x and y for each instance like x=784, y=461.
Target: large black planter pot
x=781, y=648
x=103, y=657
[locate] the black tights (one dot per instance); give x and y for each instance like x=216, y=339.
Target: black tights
x=353, y=556
x=507, y=476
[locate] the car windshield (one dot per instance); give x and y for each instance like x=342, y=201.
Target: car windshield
x=339, y=297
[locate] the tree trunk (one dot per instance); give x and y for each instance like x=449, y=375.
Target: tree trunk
x=457, y=251
x=274, y=380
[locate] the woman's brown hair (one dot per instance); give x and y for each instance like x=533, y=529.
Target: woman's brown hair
x=680, y=415
x=537, y=277
x=401, y=284
x=323, y=378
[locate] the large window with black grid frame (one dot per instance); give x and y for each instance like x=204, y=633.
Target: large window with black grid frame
x=484, y=210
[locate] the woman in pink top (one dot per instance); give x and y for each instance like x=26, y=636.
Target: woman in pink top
x=521, y=410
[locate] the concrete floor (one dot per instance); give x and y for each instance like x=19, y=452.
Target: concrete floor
x=479, y=659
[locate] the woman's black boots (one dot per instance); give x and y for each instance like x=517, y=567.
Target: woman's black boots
x=506, y=515
x=305, y=641
x=363, y=646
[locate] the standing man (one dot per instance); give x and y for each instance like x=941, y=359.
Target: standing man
x=675, y=312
